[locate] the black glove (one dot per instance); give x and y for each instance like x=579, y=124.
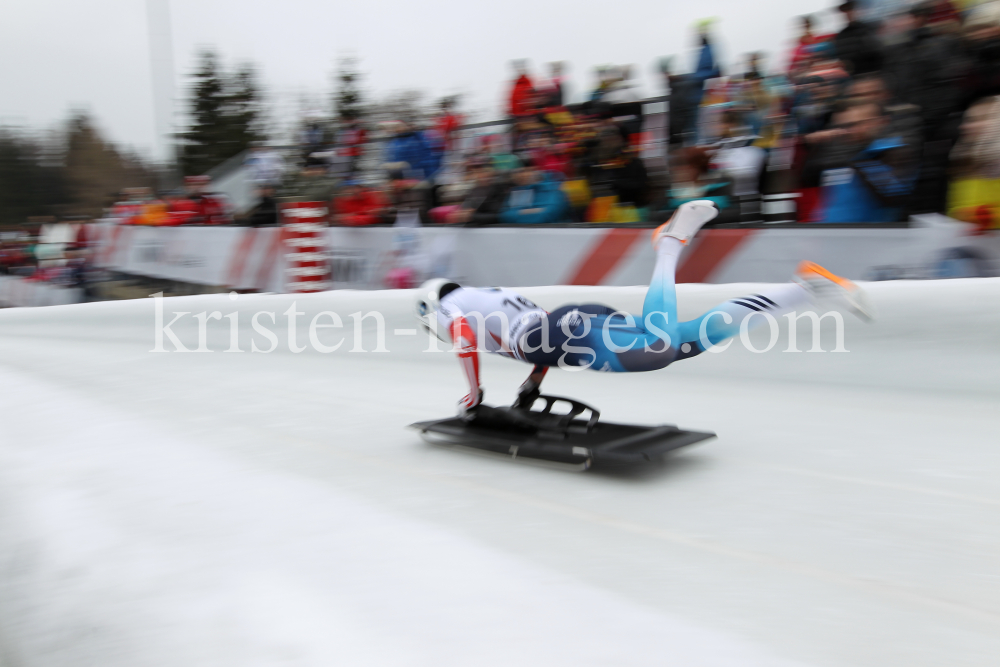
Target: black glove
x=527, y=394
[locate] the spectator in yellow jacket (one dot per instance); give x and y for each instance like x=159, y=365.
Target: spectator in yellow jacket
x=974, y=191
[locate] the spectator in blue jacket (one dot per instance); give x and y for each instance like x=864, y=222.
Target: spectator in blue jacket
x=413, y=148
x=875, y=177
x=687, y=90
x=707, y=68
x=536, y=198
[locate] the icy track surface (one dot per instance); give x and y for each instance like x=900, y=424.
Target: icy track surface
x=244, y=509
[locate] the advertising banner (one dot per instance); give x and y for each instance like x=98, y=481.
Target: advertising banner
x=381, y=257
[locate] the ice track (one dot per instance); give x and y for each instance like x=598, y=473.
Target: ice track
x=210, y=509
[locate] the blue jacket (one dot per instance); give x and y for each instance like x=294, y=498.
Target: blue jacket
x=414, y=149
x=707, y=67
x=546, y=194
x=869, y=190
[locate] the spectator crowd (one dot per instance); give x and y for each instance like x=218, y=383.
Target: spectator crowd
x=873, y=123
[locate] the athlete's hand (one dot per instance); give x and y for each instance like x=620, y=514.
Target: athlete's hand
x=530, y=389
x=527, y=394
x=469, y=403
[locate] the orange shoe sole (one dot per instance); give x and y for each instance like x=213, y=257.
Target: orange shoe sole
x=813, y=267
x=656, y=233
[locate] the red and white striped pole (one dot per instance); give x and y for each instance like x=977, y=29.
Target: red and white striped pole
x=307, y=264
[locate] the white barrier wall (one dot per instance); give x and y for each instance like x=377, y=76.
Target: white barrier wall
x=517, y=257
x=235, y=257
x=17, y=291
x=361, y=258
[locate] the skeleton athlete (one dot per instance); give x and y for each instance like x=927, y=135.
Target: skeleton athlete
x=598, y=337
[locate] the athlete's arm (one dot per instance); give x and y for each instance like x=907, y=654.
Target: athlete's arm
x=468, y=356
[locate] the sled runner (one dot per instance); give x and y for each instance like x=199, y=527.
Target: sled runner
x=576, y=437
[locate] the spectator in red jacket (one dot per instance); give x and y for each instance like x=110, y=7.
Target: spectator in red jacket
x=548, y=156
x=180, y=209
x=351, y=141
x=447, y=123
x=801, y=53
x=520, y=95
x=357, y=206
x=206, y=208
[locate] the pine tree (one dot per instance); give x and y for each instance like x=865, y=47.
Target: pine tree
x=226, y=115
x=347, y=100
x=245, y=109
x=203, y=141
x=72, y=171
x=95, y=170
x=30, y=183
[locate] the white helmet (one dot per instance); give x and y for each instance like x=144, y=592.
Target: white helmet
x=429, y=297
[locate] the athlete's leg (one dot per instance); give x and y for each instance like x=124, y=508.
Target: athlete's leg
x=611, y=344
x=724, y=321
x=659, y=308
x=619, y=343
x=813, y=285
x=654, y=343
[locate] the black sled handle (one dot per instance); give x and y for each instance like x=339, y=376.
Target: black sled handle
x=576, y=409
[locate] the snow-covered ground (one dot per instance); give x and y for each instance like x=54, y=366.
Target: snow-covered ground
x=223, y=508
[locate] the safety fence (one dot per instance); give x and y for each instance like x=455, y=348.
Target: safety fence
x=365, y=258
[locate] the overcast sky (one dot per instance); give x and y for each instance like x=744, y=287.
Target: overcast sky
x=58, y=55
